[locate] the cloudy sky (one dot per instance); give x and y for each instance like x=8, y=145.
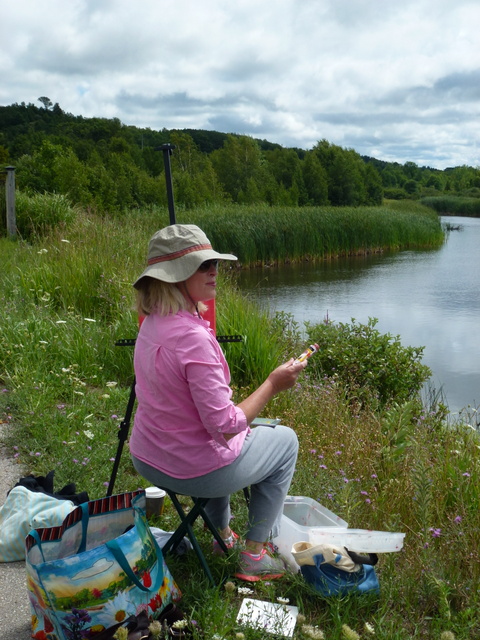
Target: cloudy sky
x=398, y=80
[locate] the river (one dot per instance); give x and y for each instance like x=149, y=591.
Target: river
x=428, y=298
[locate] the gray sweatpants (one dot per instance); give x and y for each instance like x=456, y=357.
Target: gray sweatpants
x=266, y=465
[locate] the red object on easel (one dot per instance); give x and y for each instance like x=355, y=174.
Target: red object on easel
x=210, y=315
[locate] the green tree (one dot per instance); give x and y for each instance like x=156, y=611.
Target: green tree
x=315, y=180
x=47, y=103
x=373, y=185
x=239, y=161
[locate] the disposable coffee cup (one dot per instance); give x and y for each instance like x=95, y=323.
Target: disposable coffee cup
x=155, y=499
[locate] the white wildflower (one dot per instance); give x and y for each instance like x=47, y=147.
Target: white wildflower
x=349, y=633
x=105, y=396
x=313, y=632
x=369, y=628
x=89, y=434
x=112, y=385
x=283, y=600
x=179, y=624
x=245, y=591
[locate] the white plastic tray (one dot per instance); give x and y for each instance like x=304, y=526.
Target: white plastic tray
x=305, y=520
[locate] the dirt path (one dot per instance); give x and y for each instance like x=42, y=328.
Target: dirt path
x=14, y=606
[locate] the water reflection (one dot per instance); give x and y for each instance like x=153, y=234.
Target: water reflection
x=428, y=298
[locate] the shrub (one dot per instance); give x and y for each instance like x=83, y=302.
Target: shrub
x=373, y=367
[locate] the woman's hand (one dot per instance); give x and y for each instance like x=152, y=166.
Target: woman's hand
x=285, y=376
x=281, y=379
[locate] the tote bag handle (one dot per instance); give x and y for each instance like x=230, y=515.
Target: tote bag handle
x=123, y=562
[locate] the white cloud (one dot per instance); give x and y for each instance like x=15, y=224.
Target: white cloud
x=398, y=81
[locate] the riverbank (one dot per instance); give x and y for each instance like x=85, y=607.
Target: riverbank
x=65, y=386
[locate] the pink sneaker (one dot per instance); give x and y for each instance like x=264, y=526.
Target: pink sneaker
x=217, y=549
x=263, y=567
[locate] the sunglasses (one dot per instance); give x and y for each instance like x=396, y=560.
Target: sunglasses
x=207, y=265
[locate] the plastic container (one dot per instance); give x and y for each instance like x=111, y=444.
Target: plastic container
x=300, y=515
x=305, y=520
x=155, y=499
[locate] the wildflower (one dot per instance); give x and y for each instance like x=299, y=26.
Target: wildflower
x=89, y=434
x=283, y=600
x=230, y=587
x=112, y=385
x=313, y=451
x=155, y=629
x=244, y=591
x=349, y=633
x=179, y=624
x=447, y=635
x=436, y=533
x=466, y=474
x=367, y=500
x=301, y=619
x=313, y=632
x=374, y=475
x=457, y=519
x=105, y=396
x=369, y=628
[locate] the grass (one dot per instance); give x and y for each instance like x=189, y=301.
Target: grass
x=394, y=466
x=454, y=205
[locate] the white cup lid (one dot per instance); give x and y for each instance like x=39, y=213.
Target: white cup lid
x=154, y=492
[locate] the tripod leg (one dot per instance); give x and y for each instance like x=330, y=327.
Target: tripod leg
x=122, y=436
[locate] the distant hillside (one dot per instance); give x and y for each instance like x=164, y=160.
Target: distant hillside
x=106, y=164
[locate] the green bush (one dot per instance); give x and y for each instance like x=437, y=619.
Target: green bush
x=374, y=368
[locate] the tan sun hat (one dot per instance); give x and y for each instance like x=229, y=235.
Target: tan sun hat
x=176, y=252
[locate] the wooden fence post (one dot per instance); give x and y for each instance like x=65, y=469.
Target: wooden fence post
x=10, y=200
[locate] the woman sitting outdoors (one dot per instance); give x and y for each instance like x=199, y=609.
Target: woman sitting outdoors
x=188, y=435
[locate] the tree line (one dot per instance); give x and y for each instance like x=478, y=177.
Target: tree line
x=107, y=165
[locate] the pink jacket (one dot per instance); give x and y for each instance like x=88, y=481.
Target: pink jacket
x=184, y=398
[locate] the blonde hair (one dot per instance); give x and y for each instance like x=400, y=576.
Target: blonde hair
x=164, y=298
